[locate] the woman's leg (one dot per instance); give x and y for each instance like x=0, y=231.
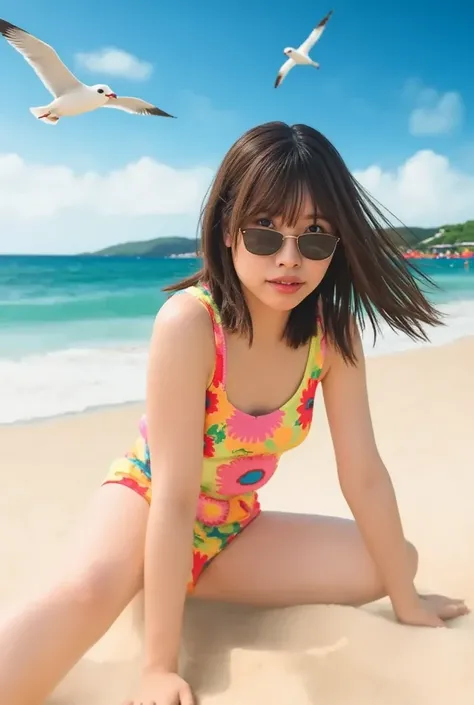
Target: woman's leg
x=286, y=559
x=102, y=573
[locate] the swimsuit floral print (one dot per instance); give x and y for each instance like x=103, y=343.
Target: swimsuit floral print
x=240, y=451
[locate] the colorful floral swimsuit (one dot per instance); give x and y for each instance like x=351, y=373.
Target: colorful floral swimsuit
x=240, y=451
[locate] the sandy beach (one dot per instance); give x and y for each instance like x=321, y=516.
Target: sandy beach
x=423, y=409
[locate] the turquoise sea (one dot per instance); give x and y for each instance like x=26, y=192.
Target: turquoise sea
x=74, y=330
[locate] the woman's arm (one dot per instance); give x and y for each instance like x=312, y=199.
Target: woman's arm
x=363, y=478
x=180, y=365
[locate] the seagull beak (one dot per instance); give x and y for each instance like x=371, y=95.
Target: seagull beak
x=110, y=95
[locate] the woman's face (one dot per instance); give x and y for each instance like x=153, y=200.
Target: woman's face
x=282, y=280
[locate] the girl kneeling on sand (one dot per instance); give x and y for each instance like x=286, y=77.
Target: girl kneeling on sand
x=292, y=257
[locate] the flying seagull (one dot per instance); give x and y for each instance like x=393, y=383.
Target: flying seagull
x=71, y=97
x=301, y=55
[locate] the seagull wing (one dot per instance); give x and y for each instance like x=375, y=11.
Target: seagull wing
x=136, y=106
x=42, y=58
x=309, y=43
x=287, y=66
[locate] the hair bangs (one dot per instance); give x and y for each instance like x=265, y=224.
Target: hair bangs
x=279, y=188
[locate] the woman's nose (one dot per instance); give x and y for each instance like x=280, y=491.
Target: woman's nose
x=289, y=255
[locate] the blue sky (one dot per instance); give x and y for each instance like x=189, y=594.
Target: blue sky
x=394, y=89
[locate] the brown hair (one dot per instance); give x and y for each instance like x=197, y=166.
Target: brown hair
x=268, y=170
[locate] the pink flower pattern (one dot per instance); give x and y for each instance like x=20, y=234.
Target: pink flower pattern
x=253, y=429
x=245, y=474
x=212, y=511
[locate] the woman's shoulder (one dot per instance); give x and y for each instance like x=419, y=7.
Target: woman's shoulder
x=334, y=357
x=183, y=320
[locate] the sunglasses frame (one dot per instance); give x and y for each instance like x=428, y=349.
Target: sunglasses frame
x=289, y=237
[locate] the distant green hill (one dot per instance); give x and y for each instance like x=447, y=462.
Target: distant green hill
x=176, y=246
x=410, y=236
x=159, y=247
x=452, y=234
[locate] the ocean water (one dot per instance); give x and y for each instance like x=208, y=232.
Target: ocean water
x=74, y=331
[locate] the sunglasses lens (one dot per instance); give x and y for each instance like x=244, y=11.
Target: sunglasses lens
x=259, y=241
x=317, y=246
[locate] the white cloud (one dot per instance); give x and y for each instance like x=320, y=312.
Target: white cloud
x=435, y=112
x=424, y=191
x=144, y=187
x=54, y=209
x=115, y=62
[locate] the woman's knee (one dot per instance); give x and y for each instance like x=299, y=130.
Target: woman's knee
x=104, y=560
x=377, y=589
x=413, y=558
x=100, y=580
x=103, y=583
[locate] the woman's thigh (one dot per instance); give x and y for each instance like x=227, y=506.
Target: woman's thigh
x=287, y=559
x=106, y=549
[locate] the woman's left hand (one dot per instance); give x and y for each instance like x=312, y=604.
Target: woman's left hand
x=433, y=611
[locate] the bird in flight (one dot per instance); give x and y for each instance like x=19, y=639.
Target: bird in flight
x=301, y=54
x=71, y=96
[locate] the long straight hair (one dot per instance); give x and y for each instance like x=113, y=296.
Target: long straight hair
x=269, y=169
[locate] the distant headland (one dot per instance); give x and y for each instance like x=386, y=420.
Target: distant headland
x=158, y=247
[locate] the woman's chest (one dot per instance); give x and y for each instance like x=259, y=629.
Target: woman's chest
x=260, y=379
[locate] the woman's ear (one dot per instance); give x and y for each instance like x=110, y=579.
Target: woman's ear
x=227, y=239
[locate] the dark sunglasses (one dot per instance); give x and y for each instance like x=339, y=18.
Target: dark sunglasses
x=264, y=241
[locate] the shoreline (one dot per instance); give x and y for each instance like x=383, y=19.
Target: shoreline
x=114, y=407
x=88, y=411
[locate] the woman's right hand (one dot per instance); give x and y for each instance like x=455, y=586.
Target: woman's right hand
x=433, y=611
x=161, y=688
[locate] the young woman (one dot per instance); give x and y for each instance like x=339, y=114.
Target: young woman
x=294, y=254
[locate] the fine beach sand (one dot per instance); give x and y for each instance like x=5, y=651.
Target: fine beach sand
x=423, y=410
